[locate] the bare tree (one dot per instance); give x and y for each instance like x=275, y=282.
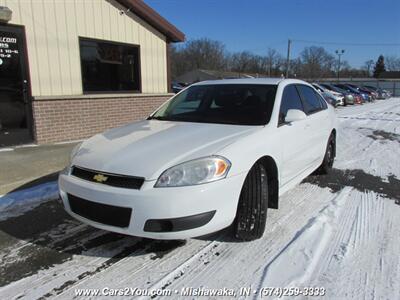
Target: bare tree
x=296, y=67
x=392, y=63
x=242, y=61
x=206, y=53
x=368, y=66
x=198, y=54
x=313, y=62
x=348, y=71
x=274, y=61
x=317, y=62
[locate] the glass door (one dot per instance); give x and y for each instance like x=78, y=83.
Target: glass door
x=15, y=104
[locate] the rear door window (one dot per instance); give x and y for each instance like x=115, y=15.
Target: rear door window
x=323, y=101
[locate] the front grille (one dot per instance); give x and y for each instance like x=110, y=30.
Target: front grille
x=101, y=213
x=122, y=181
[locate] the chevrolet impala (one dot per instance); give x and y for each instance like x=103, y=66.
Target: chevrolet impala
x=217, y=154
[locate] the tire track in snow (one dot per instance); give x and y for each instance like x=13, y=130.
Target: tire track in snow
x=50, y=251
x=128, y=261
x=370, y=266
x=179, y=271
x=243, y=260
x=52, y=281
x=295, y=263
x=340, y=239
x=126, y=251
x=135, y=271
x=199, y=259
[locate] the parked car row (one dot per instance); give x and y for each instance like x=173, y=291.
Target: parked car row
x=350, y=94
x=381, y=93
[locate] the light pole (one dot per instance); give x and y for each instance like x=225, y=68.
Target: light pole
x=339, y=53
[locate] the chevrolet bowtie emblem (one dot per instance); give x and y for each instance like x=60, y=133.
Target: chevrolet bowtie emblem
x=100, y=178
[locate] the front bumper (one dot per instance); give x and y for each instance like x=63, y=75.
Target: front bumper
x=159, y=213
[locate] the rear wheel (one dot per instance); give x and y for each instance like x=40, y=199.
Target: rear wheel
x=329, y=157
x=251, y=213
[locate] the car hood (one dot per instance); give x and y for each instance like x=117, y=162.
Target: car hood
x=149, y=147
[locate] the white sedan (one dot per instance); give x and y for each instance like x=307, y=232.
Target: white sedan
x=217, y=154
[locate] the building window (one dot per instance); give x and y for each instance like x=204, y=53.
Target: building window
x=109, y=66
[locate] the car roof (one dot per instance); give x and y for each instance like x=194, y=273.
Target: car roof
x=316, y=84
x=273, y=81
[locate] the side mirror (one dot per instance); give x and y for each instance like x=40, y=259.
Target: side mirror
x=294, y=115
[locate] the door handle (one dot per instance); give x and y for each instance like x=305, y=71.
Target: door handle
x=25, y=91
x=307, y=126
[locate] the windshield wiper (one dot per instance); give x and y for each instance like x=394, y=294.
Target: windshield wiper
x=157, y=118
x=171, y=118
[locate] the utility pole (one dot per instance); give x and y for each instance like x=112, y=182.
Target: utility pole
x=288, y=58
x=339, y=53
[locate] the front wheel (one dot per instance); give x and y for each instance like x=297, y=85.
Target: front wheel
x=251, y=213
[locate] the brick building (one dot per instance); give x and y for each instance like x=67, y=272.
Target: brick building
x=70, y=68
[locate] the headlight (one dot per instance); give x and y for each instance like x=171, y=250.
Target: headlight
x=195, y=172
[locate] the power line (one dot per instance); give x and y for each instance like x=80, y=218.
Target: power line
x=270, y=45
x=349, y=44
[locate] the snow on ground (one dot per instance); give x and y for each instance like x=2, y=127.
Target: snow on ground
x=369, y=138
x=339, y=232
x=18, y=202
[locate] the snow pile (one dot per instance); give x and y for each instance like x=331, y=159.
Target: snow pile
x=296, y=263
x=18, y=202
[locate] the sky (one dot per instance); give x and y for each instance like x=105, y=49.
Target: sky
x=256, y=25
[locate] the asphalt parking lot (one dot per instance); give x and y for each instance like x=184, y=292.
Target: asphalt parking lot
x=336, y=231
x=28, y=165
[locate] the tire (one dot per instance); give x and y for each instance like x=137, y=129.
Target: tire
x=251, y=214
x=329, y=157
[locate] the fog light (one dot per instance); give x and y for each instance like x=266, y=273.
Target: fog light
x=178, y=224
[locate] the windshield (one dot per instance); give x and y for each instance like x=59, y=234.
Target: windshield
x=339, y=90
x=239, y=104
x=317, y=87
